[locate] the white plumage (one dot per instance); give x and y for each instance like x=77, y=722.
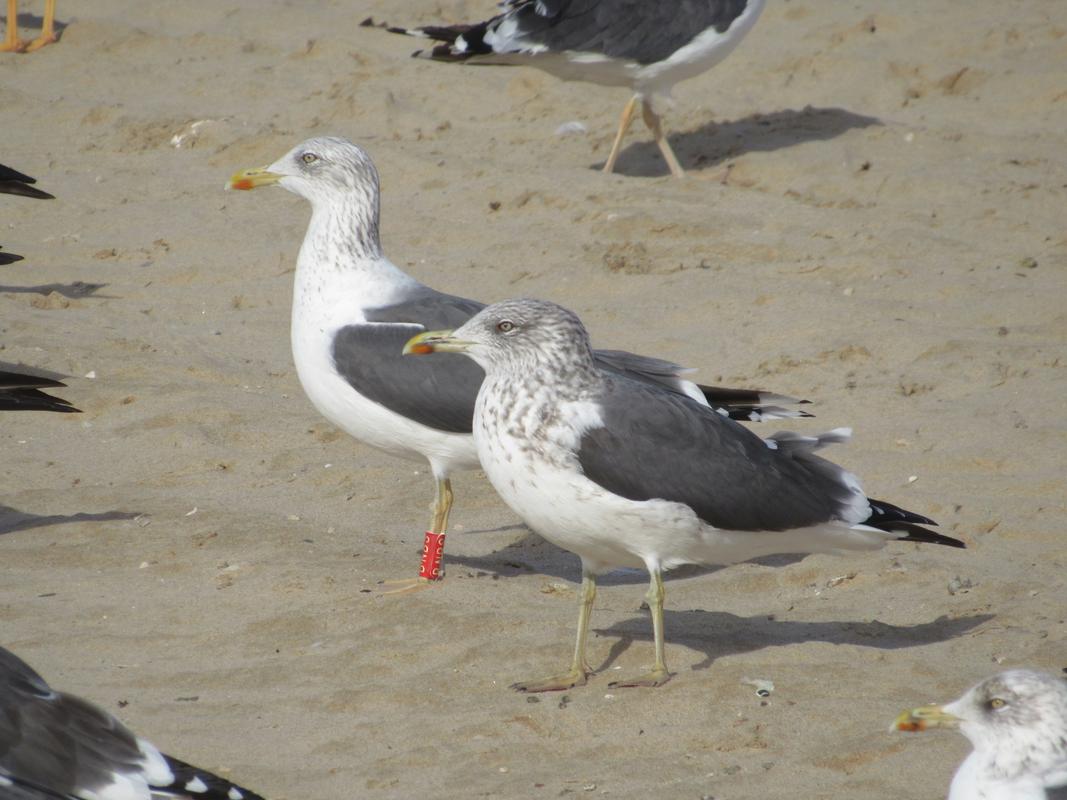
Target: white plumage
x=625, y=474
x=1017, y=722
x=353, y=309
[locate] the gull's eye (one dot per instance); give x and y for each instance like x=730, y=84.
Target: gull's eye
x=505, y=326
x=309, y=158
x=996, y=703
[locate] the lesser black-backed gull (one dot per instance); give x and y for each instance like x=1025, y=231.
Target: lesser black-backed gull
x=647, y=46
x=625, y=474
x=353, y=310
x=20, y=390
x=1017, y=722
x=12, y=42
x=56, y=746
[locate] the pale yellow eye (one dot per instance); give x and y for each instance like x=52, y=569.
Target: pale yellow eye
x=309, y=158
x=505, y=326
x=997, y=702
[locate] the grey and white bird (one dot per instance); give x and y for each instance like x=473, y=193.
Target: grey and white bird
x=1017, y=722
x=56, y=746
x=646, y=46
x=625, y=474
x=353, y=310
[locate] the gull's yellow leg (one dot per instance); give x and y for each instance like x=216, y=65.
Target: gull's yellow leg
x=580, y=668
x=658, y=675
x=624, y=125
x=653, y=123
x=12, y=43
x=48, y=29
x=433, y=546
x=442, y=506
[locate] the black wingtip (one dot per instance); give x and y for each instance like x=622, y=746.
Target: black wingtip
x=917, y=533
x=885, y=514
x=210, y=787
x=22, y=189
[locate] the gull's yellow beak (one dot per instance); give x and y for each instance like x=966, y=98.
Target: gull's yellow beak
x=435, y=342
x=924, y=718
x=253, y=178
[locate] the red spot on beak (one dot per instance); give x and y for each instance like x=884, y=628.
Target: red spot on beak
x=243, y=184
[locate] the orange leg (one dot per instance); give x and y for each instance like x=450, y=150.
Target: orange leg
x=12, y=43
x=624, y=124
x=48, y=28
x=442, y=505
x=652, y=121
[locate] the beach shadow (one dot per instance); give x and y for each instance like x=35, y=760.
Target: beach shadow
x=14, y=520
x=35, y=22
x=75, y=290
x=532, y=554
x=717, y=142
x=718, y=633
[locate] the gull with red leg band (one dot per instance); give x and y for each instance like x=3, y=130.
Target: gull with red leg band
x=353, y=311
x=433, y=547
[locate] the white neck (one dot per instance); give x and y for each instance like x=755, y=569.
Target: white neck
x=341, y=260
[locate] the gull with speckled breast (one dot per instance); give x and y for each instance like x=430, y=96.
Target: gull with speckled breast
x=626, y=474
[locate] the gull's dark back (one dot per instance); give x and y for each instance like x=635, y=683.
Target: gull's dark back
x=56, y=745
x=440, y=392
x=661, y=445
x=632, y=30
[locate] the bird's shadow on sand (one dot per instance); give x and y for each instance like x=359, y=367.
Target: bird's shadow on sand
x=718, y=633
x=717, y=142
x=532, y=554
x=12, y=519
x=715, y=633
x=72, y=291
x=35, y=22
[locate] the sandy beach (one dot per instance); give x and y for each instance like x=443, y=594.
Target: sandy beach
x=874, y=220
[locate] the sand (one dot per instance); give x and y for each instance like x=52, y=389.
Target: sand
x=873, y=220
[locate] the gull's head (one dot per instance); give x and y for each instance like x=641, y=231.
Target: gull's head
x=513, y=334
x=1009, y=705
x=322, y=169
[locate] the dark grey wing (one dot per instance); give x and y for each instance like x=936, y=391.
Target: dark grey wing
x=642, y=368
x=54, y=740
x=437, y=392
x=748, y=405
x=637, y=30
x=55, y=746
x=15, y=788
x=655, y=444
